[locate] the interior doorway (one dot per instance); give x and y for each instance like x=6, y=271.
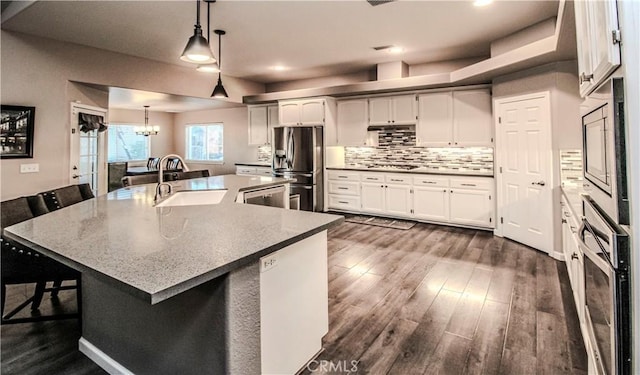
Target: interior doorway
x=87, y=160
x=524, y=155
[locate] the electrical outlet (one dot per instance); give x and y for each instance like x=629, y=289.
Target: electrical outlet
x=268, y=263
x=30, y=168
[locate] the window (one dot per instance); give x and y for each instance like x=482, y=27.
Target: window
x=204, y=142
x=125, y=144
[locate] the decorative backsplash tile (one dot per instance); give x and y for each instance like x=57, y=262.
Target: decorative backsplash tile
x=473, y=158
x=396, y=137
x=264, y=153
x=571, y=166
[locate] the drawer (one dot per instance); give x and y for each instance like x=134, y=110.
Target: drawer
x=372, y=177
x=435, y=181
x=398, y=179
x=344, y=188
x=245, y=170
x=341, y=202
x=263, y=171
x=472, y=183
x=344, y=176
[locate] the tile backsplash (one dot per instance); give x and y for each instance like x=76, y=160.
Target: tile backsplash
x=397, y=137
x=474, y=158
x=264, y=153
x=571, y=167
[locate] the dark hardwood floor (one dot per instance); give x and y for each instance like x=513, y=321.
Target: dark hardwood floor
x=429, y=300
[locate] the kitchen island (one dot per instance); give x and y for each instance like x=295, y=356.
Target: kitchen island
x=174, y=289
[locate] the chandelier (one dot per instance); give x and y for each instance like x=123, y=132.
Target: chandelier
x=147, y=129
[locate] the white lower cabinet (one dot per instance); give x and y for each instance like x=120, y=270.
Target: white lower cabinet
x=431, y=203
x=471, y=207
x=245, y=170
x=573, y=257
x=465, y=201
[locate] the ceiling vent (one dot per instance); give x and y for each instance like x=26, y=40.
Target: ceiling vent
x=379, y=2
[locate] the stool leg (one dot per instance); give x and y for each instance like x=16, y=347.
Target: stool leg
x=4, y=296
x=38, y=294
x=56, y=284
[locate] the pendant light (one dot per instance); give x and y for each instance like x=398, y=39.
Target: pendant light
x=197, y=49
x=213, y=67
x=219, y=91
x=147, y=129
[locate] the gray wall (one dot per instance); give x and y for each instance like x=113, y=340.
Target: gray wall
x=41, y=72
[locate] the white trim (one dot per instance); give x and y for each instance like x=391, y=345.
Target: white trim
x=86, y=107
x=499, y=161
x=101, y=359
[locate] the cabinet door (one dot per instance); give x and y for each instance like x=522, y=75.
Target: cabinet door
x=258, y=129
x=398, y=200
x=372, y=197
x=605, y=51
x=435, y=119
x=379, y=111
x=583, y=45
x=472, y=119
x=273, y=120
x=289, y=113
x=431, y=203
x=352, y=122
x=312, y=112
x=471, y=207
x=403, y=109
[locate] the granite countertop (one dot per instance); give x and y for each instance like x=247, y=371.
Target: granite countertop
x=420, y=170
x=256, y=164
x=155, y=253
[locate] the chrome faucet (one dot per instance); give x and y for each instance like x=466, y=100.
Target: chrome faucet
x=161, y=182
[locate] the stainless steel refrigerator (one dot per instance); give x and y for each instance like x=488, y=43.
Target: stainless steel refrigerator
x=298, y=154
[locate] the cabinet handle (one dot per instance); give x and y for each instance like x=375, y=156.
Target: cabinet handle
x=342, y=176
x=574, y=256
x=445, y=190
x=468, y=184
x=564, y=221
x=452, y=191
x=428, y=182
x=449, y=143
x=343, y=202
x=573, y=229
x=372, y=178
x=585, y=78
x=342, y=188
x=394, y=180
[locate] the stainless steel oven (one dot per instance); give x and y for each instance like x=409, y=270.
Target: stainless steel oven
x=604, y=149
x=607, y=290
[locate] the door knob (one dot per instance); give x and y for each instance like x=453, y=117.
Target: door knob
x=541, y=183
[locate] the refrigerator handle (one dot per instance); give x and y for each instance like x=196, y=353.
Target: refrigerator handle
x=289, y=148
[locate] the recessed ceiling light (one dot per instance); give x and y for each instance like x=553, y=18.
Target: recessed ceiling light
x=279, y=68
x=395, y=49
x=481, y=3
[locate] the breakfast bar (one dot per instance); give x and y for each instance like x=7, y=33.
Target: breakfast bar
x=180, y=288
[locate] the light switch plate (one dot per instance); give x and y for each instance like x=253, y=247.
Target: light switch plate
x=268, y=262
x=30, y=168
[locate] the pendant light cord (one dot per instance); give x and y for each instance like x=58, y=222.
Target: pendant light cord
x=197, y=13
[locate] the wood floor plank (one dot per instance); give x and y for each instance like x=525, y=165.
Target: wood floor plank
x=425, y=293
x=552, y=340
x=335, y=271
x=449, y=356
x=486, y=347
x=379, y=357
x=418, y=349
x=577, y=351
x=464, y=320
x=519, y=362
x=548, y=294
x=521, y=333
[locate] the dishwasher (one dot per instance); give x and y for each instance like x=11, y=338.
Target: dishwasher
x=271, y=196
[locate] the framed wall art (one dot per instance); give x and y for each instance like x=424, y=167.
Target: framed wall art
x=16, y=131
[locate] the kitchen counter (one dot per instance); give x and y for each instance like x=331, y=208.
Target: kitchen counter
x=156, y=253
x=420, y=170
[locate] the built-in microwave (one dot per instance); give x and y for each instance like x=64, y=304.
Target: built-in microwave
x=604, y=152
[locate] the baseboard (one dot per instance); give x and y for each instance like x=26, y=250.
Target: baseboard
x=101, y=359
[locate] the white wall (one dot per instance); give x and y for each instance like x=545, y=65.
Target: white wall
x=41, y=72
x=561, y=80
x=236, y=137
x=162, y=143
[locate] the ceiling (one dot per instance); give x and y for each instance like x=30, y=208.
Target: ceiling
x=309, y=38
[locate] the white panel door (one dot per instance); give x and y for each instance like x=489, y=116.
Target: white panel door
x=398, y=200
x=435, y=123
x=524, y=149
x=289, y=114
x=431, y=203
x=372, y=197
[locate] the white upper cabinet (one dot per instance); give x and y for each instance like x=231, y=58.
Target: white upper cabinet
x=435, y=126
x=352, y=122
x=472, y=120
x=392, y=110
x=459, y=118
x=598, y=42
x=303, y=112
x=262, y=119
